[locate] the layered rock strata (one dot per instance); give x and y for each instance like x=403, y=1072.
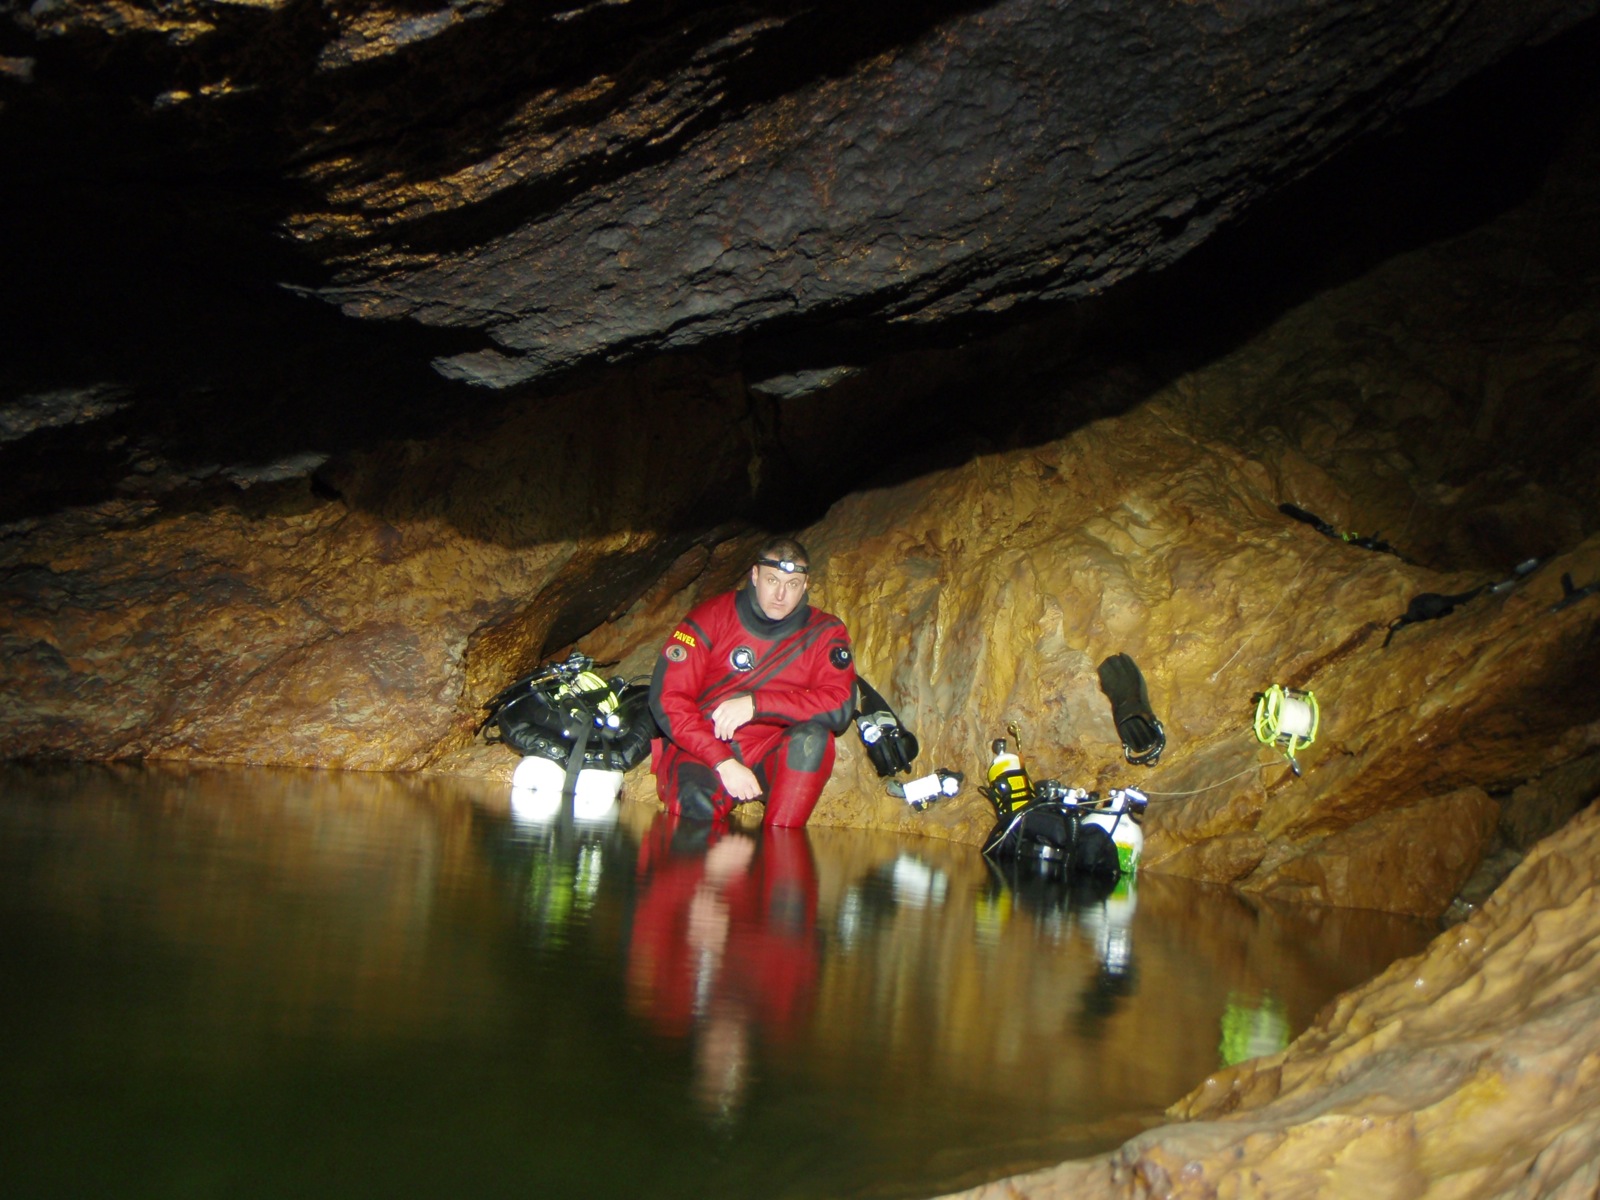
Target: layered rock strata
x=582, y=184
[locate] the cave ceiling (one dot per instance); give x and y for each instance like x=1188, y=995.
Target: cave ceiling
x=250, y=233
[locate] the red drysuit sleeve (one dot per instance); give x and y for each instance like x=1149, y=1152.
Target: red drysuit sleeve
x=675, y=693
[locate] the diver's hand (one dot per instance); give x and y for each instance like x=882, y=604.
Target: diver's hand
x=732, y=713
x=739, y=779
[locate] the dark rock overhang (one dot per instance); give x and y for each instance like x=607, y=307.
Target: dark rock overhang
x=519, y=190
x=1000, y=155
x=583, y=182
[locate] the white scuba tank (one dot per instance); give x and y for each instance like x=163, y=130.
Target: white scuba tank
x=1116, y=819
x=536, y=792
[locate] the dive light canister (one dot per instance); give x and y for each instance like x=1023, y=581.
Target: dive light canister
x=1008, y=779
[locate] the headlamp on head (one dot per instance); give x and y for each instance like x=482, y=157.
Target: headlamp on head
x=787, y=565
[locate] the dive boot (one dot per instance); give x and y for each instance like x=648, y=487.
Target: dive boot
x=1143, y=739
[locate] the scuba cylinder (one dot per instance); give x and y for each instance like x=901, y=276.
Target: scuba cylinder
x=1009, y=785
x=1119, y=817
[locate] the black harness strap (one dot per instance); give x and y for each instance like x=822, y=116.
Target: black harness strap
x=569, y=786
x=871, y=701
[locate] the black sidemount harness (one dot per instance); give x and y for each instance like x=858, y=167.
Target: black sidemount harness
x=890, y=745
x=1430, y=606
x=568, y=714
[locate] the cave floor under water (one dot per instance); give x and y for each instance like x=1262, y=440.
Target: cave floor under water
x=273, y=983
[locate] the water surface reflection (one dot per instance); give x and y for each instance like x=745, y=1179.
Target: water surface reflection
x=275, y=982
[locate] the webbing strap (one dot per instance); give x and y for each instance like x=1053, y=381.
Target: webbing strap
x=569, y=786
x=871, y=701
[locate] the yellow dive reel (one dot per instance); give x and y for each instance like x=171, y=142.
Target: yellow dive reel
x=1289, y=718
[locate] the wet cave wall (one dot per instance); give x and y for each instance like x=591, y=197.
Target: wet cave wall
x=1057, y=423
x=362, y=357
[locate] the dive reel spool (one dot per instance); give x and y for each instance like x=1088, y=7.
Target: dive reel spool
x=1288, y=718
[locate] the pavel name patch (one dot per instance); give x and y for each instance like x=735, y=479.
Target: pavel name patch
x=683, y=637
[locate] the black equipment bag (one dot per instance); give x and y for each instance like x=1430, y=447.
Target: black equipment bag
x=534, y=717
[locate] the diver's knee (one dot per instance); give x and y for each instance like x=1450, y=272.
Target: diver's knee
x=808, y=745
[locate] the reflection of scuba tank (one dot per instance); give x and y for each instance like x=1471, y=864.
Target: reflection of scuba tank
x=559, y=889
x=1109, y=926
x=1009, y=785
x=916, y=884
x=536, y=790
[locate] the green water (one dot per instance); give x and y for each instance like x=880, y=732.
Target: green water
x=266, y=983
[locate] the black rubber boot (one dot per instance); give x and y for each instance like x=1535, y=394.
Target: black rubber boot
x=1143, y=739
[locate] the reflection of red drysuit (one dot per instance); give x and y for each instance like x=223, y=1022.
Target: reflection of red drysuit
x=801, y=676
x=761, y=957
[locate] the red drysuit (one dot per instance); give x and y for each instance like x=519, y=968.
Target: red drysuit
x=801, y=675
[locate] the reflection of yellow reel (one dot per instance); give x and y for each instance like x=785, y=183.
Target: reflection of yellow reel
x=1252, y=1030
x=1289, y=718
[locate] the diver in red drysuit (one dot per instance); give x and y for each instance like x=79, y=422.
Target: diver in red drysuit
x=749, y=692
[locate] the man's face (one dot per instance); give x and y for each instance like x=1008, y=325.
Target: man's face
x=778, y=593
